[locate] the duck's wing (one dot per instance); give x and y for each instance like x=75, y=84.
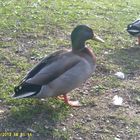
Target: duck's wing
x=46, y=71
x=44, y=63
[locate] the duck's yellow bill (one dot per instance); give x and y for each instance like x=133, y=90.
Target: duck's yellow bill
x=97, y=38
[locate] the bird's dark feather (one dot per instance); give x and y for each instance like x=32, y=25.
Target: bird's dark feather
x=25, y=88
x=46, y=61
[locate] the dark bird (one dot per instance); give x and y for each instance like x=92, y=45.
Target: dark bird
x=62, y=71
x=134, y=29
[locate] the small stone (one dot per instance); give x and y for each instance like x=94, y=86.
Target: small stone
x=32, y=58
x=71, y=115
x=106, y=52
x=120, y=75
x=117, y=100
x=88, y=118
x=137, y=112
x=107, y=121
x=115, y=90
x=64, y=129
x=62, y=123
x=47, y=127
x=78, y=138
x=1, y=111
x=7, y=39
x=116, y=138
x=31, y=130
x=138, y=100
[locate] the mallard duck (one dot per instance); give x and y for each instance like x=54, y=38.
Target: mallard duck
x=134, y=29
x=62, y=71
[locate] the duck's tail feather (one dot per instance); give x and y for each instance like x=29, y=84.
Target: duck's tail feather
x=26, y=90
x=25, y=95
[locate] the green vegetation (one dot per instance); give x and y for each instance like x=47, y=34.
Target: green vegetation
x=29, y=30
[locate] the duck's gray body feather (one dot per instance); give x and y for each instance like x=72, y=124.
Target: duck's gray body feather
x=57, y=74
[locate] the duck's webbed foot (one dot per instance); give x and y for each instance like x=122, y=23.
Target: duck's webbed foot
x=65, y=98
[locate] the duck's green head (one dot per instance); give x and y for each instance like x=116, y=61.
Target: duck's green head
x=80, y=35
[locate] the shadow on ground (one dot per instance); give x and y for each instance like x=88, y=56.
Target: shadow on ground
x=40, y=119
x=128, y=59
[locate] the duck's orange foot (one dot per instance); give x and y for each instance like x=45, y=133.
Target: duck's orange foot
x=73, y=103
x=65, y=98
x=139, y=40
x=61, y=97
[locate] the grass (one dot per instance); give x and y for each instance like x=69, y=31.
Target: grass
x=29, y=30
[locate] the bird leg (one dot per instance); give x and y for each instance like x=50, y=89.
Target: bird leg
x=138, y=40
x=61, y=97
x=69, y=102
